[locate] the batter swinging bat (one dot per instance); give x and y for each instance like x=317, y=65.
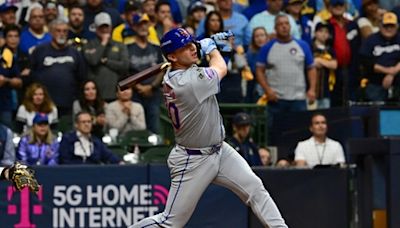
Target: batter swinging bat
x=142, y=75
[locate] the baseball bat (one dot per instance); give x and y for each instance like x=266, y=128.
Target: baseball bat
x=142, y=75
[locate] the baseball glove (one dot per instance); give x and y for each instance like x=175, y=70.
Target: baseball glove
x=22, y=176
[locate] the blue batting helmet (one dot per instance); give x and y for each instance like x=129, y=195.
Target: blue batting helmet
x=175, y=39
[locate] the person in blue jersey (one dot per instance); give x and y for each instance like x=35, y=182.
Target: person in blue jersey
x=35, y=34
x=380, y=58
x=59, y=67
x=39, y=146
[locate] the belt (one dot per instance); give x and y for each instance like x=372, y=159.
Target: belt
x=208, y=150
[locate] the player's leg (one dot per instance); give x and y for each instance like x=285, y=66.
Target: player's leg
x=190, y=176
x=236, y=174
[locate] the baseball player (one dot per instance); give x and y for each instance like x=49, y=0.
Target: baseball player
x=200, y=156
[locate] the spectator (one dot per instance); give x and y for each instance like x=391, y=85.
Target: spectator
x=7, y=150
x=91, y=101
x=94, y=7
x=149, y=8
x=380, y=57
x=341, y=45
x=80, y=147
x=196, y=13
x=78, y=35
x=234, y=21
x=37, y=100
x=294, y=8
x=319, y=149
x=107, y=59
x=371, y=19
x=259, y=38
x=265, y=156
x=326, y=64
x=285, y=59
x=39, y=146
x=8, y=17
x=50, y=11
x=266, y=19
x=35, y=34
x=9, y=80
x=124, y=114
x=143, y=55
x=12, y=41
x=241, y=140
x=164, y=19
x=125, y=32
x=59, y=67
x=213, y=23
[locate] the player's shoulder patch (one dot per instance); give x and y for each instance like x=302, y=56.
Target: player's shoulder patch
x=207, y=73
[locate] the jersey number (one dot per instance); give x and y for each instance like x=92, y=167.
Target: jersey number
x=174, y=115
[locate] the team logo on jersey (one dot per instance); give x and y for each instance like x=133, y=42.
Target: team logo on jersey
x=293, y=51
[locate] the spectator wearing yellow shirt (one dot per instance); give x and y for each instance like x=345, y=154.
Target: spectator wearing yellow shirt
x=125, y=33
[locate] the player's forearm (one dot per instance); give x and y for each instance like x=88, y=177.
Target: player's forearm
x=218, y=63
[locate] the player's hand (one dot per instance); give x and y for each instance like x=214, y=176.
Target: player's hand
x=272, y=95
x=144, y=90
x=311, y=96
x=387, y=81
x=207, y=45
x=222, y=35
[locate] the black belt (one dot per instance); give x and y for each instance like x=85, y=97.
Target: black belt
x=214, y=148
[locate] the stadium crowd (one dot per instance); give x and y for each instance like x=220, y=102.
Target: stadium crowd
x=63, y=59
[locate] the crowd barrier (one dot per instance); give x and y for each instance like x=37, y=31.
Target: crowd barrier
x=117, y=196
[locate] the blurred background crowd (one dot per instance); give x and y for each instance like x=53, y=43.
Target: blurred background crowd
x=60, y=62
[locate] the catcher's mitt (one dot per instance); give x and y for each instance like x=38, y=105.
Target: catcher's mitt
x=22, y=176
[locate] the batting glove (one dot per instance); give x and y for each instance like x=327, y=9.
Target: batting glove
x=222, y=35
x=207, y=45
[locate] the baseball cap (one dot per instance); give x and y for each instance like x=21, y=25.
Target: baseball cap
x=51, y=4
x=241, y=118
x=102, y=18
x=294, y=1
x=196, y=5
x=7, y=6
x=175, y=39
x=131, y=6
x=389, y=18
x=137, y=18
x=336, y=2
x=40, y=118
x=321, y=25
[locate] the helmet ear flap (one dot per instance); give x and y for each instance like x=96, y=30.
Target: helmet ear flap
x=198, y=49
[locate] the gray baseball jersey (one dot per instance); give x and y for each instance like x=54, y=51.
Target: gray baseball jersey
x=200, y=156
x=193, y=108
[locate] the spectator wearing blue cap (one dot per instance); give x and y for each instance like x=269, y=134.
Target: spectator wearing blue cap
x=39, y=146
x=7, y=14
x=241, y=140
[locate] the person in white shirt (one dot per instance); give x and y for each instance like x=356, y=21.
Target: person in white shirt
x=319, y=149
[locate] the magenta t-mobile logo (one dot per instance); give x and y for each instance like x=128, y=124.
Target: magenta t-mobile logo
x=24, y=207
x=160, y=194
